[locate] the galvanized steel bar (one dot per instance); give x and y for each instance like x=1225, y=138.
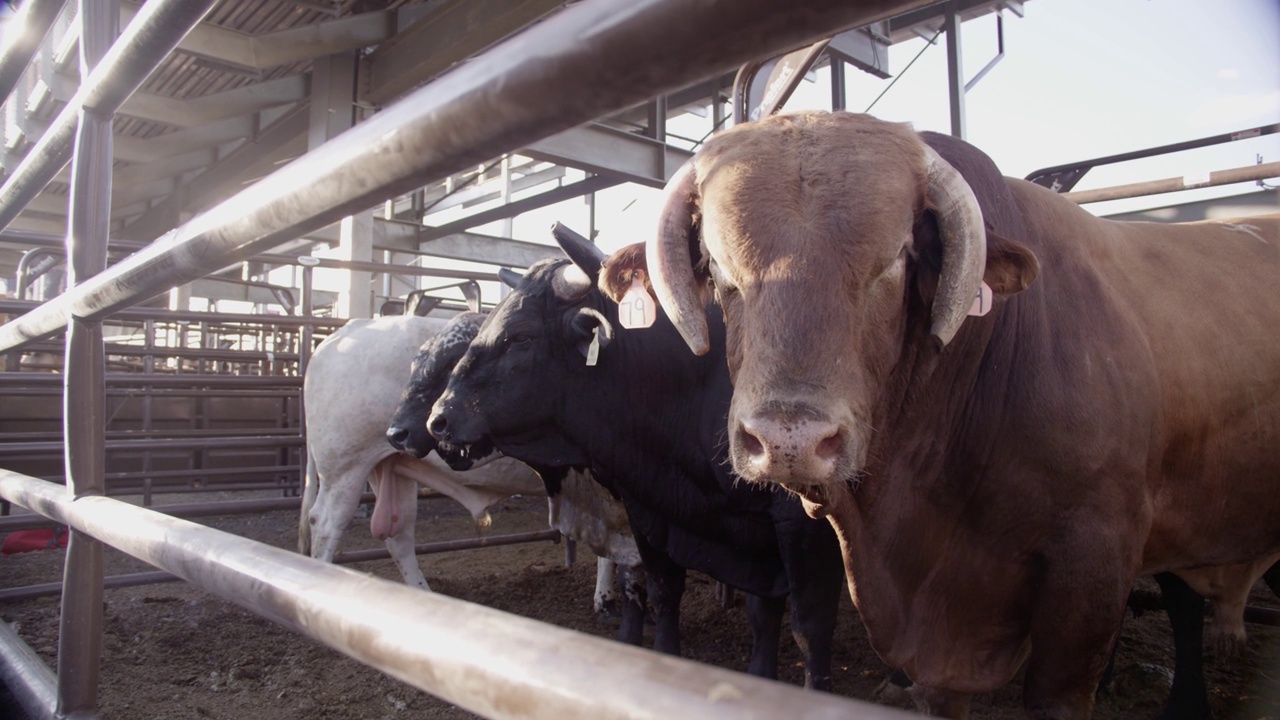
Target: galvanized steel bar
x=27, y=676
x=350, y=556
x=22, y=379
x=1248, y=173
x=585, y=61
x=84, y=414
x=489, y=662
x=342, y=558
x=155, y=31
x=33, y=19
x=195, y=443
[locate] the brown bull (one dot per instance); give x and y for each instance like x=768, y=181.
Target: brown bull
x=998, y=482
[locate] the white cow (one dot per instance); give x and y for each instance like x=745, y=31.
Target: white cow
x=350, y=391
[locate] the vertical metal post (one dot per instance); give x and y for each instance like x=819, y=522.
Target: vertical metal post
x=838, y=99
x=508, y=223
x=955, y=70
x=84, y=399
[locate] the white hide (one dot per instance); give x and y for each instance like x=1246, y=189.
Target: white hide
x=351, y=389
x=584, y=512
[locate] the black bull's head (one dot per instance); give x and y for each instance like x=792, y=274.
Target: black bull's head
x=427, y=379
x=547, y=318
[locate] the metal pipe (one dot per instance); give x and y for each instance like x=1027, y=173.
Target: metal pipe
x=350, y=556
x=28, y=270
x=205, y=443
x=585, y=61
x=27, y=31
x=343, y=558
x=182, y=510
x=176, y=316
x=84, y=415
x=488, y=662
x=1248, y=173
x=155, y=31
x=26, y=675
x=177, y=380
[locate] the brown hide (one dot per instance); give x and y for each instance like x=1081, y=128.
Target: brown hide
x=997, y=497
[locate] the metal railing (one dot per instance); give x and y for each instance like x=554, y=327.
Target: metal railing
x=588, y=60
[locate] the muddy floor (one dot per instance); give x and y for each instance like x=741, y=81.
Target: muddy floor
x=172, y=651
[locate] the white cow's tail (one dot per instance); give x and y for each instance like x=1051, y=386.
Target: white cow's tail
x=310, y=488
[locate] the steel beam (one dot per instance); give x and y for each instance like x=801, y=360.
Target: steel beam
x=551, y=197
x=587, y=61
x=454, y=31
x=605, y=151
x=475, y=247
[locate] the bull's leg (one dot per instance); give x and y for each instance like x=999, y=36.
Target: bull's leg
x=765, y=615
x=1272, y=578
x=1188, y=697
x=815, y=570
x=605, y=601
x=1079, y=604
x=400, y=543
x=634, y=602
x=310, y=489
x=666, y=582
x=335, y=505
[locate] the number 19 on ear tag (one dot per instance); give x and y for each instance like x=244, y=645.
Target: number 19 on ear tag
x=637, y=309
x=982, y=302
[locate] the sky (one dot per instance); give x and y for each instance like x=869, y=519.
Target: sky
x=1079, y=79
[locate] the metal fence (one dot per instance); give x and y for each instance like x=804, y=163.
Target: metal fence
x=590, y=59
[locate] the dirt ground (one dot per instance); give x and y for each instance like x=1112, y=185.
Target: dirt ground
x=172, y=651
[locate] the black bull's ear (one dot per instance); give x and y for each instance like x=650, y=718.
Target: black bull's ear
x=580, y=324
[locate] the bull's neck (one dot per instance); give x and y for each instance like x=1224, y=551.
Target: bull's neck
x=649, y=393
x=920, y=424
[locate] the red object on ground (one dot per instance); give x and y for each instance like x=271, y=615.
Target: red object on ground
x=28, y=540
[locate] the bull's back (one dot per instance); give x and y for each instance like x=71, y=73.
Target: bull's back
x=1184, y=311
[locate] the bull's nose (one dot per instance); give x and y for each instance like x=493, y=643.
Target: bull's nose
x=397, y=436
x=438, y=426
x=779, y=449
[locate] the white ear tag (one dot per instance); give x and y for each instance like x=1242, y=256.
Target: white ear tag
x=593, y=350
x=637, y=308
x=981, y=303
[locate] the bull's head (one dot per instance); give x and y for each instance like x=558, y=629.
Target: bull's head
x=837, y=245
x=547, y=324
x=431, y=367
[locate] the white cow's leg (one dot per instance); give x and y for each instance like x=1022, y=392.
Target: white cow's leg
x=310, y=489
x=606, y=597
x=335, y=504
x=400, y=542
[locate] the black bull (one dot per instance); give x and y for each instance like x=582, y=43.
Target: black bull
x=647, y=419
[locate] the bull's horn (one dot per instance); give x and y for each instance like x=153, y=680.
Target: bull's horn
x=964, y=246
x=671, y=267
x=510, y=277
x=569, y=282
x=584, y=253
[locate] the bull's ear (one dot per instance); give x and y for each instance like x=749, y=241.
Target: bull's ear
x=585, y=325
x=1011, y=266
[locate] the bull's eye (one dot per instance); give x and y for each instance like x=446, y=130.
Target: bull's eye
x=519, y=338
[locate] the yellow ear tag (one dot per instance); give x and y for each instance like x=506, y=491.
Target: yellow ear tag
x=637, y=309
x=982, y=303
x=593, y=350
